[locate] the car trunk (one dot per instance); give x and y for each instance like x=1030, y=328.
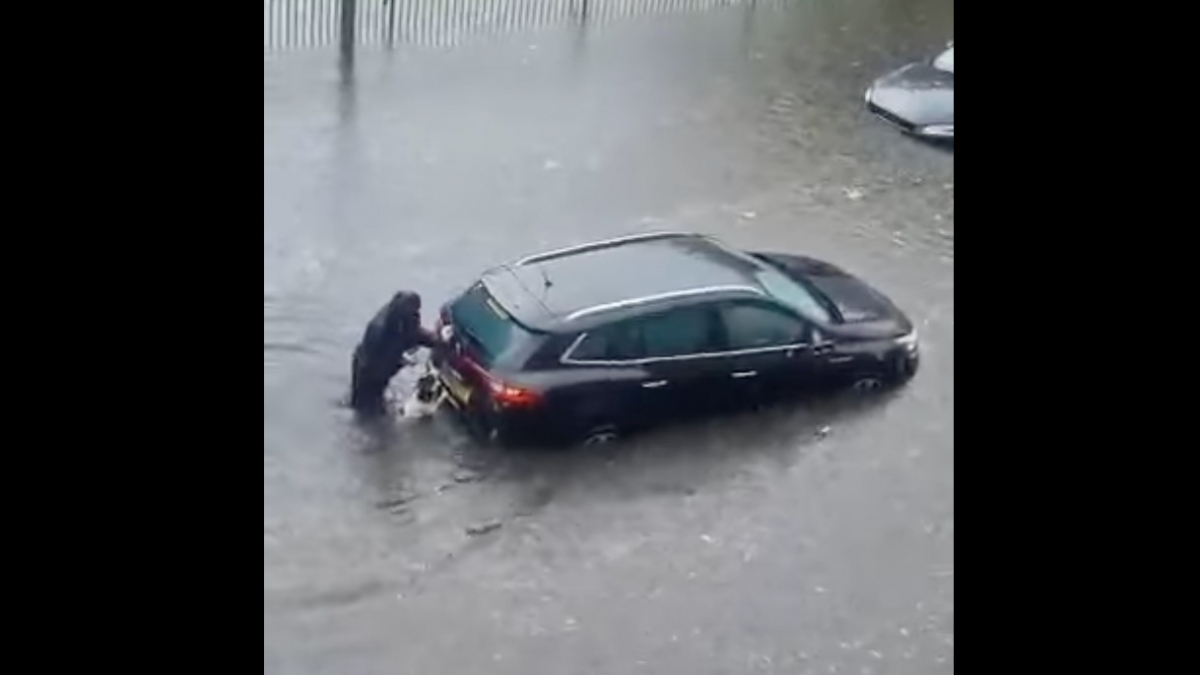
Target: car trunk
x=481, y=337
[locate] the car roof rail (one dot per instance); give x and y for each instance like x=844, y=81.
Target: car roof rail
x=660, y=297
x=599, y=246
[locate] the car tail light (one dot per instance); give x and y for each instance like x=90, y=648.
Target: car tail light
x=509, y=396
x=505, y=395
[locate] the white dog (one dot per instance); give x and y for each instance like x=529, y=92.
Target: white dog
x=426, y=398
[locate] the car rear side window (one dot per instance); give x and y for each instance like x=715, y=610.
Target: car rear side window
x=682, y=332
x=757, y=326
x=617, y=342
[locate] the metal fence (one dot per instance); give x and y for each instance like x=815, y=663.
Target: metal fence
x=296, y=24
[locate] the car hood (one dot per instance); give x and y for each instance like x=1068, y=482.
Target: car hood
x=917, y=93
x=865, y=311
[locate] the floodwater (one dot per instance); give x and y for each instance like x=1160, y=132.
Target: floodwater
x=810, y=539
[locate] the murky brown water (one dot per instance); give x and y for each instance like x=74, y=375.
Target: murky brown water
x=744, y=545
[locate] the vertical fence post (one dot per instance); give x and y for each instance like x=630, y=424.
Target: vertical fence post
x=349, y=9
x=390, y=5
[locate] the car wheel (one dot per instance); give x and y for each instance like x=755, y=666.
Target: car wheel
x=605, y=434
x=481, y=425
x=867, y=383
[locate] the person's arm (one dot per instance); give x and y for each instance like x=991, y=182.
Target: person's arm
x=427, y=338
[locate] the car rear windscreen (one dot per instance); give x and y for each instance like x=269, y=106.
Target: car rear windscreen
x=484, y=326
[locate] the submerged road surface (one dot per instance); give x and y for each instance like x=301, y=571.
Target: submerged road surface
x=810, y=539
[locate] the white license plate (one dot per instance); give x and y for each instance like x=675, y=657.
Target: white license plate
x=459, y=390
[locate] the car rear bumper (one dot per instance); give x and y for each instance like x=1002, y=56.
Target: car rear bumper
x=508, y=427
x=491, y=422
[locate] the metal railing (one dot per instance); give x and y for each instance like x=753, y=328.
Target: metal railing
x=300, y=24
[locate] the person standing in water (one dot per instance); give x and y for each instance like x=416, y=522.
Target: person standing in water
x=395, y=330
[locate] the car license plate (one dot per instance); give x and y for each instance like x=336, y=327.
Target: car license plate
x=459, y=390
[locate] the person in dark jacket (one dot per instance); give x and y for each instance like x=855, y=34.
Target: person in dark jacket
x=395, y=330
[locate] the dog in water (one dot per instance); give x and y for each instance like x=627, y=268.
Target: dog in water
x=426, y=399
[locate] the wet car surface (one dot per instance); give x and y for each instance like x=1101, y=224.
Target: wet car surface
x=567, y=347
x=799, y=539
x=918, y=98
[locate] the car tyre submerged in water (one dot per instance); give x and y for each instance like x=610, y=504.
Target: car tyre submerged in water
x=867, y=383
x=604, y=434
x=480, y=423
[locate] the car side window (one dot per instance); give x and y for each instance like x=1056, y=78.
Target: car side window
x=615, y=342
x=680, y=332
x=593, y=347
x=759, y=326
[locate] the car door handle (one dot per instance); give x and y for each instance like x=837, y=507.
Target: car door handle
x=654, y=385
x=742, y=374
x=822, y=349
x=841, y=359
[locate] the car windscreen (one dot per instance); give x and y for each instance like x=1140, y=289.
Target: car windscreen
x=484, y=326
x=945, y=61
x=793, y=294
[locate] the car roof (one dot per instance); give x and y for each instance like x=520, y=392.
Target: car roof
x=581, y=286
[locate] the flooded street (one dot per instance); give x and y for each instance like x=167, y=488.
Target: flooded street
x=809, y=539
